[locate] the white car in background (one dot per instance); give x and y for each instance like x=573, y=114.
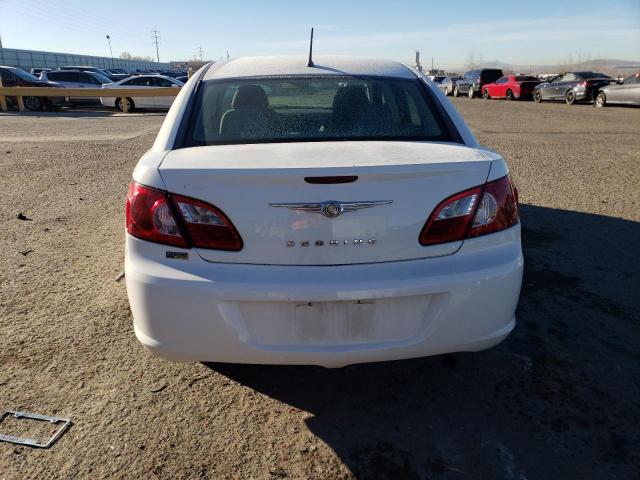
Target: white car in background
x=143, y=81
x=326, y=215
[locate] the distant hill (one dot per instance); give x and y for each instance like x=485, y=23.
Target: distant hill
x=606, y=65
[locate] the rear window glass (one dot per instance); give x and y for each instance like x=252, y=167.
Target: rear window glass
x=488, y=76
x=593, y=75
x=290, y=109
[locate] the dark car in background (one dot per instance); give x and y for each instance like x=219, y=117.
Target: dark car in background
x=117, y=74
x=511, y=87
x=100, y=71
x=626, y=92
x=472, y=82
x=447, y=84
x=36, y=72
x=572, y=87
x=14, y=77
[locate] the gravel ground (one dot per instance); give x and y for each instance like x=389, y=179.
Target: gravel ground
x=558, y=399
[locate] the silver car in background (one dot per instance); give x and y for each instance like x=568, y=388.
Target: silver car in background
x=626, y=92
x=76, y=79
x=447, y=84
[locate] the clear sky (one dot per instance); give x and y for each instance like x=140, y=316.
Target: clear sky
x=521, y=32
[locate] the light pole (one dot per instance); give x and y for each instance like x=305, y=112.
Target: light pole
x=110, y=51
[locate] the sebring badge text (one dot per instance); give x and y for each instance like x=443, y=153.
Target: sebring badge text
x=333, y=243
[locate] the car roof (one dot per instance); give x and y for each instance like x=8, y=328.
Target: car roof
x=297, y=65
x=146, y=75
x=72, y=71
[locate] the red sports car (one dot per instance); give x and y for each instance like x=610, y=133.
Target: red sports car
x=511, y=87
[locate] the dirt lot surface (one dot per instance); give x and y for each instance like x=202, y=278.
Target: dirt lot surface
x=560, y=398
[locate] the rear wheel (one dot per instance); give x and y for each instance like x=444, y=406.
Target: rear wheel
x=509, y=95
x=120, y=105
x=601, y=100
x=570, y=97
x=32, y=103
x=537, y=96
x=485, y=94
x=456, y=91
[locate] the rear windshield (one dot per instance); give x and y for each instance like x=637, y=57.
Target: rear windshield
x=24, y=75
x=489, y=76
x=290, y=109
x=587, y=75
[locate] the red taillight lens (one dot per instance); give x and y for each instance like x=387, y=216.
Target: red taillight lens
x=474, y=212
x=150, y=217
x=160, y=217
x=208, y=227
x=450, y=220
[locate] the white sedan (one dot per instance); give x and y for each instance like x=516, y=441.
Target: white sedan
x=327, y=215
x=143, y=81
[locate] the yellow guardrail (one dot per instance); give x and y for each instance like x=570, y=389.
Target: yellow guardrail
x=20, y=92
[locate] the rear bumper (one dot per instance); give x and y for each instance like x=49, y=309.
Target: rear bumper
x=192, y=310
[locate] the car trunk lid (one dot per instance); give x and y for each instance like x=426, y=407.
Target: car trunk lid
x=275, y=194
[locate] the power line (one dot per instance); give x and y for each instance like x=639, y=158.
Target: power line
x=155, y=34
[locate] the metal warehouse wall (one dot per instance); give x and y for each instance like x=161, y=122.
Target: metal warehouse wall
x=28, y=59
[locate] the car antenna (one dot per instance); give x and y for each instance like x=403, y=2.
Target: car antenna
x=310, y=61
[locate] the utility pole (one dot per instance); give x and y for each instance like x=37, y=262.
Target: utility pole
x=110, y=51
x=200, y=51
x=155, y=35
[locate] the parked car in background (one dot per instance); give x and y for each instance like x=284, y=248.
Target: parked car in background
x=626, y=92
x=322, y=216
x=37, y=71
x=511, y=87
x=472, y=82
x=77, y=79
x=572, y=87
x=88, y=68
x=447, y=84
x=143, y=81
x=437, y=79
x=116, y=74
x=14, y=77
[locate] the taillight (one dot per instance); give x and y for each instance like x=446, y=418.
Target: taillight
x=207, y=226
x=474, y=212
x=160, y=217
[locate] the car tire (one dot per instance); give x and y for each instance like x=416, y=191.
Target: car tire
x=509, y=95
x=471, y=93
x=570, y=97
x=32, y=104
x=132, y=105
x=485, y=94
x=456, y=91
x=537, y=96
x=601, y=100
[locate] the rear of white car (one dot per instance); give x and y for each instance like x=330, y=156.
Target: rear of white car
x=328, y=215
